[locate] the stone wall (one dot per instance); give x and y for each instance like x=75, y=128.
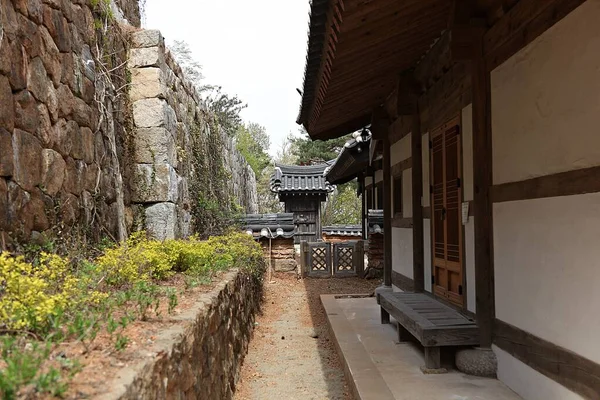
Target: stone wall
x=60, y=157
x=375, y=256
x=80, y=149
x=167, y=111
x=202, y=359
x=283, y=254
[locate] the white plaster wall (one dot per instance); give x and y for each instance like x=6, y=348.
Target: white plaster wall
x=527, y=382
x=425, y=154
x=546, y=269
x=407, y=193
x=401, y=150
x=547, y=95
x=402, y=251
x=427, y=248
x=378, y=176
x=467, y=151
x=368, y=180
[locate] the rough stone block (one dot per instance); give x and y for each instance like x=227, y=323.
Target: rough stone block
x=74, y=176
x=26, y=210
x=284, y=265
x=58, y=27
x=147, y=83
x=41, y=86
x=69, y=208
x=26, y=112
x=44, y=129
x=29, y=36
x=50, y=56
x=146, y=57
x=53, y=171
x=161, y=221
x=74, y=133
x=4, y=225
x=87, y=144
x=18, y=70
x=150, y=113
x=154, y=183
x=27, y=171
x=6, y=153
x=35, y=11
x=147, y=38
x=7, y=108
x=154, y=146
x=60, y=140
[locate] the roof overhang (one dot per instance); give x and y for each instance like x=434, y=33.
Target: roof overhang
x=356, y=50
x=352, y=160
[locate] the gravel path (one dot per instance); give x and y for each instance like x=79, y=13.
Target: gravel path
x=291, y=355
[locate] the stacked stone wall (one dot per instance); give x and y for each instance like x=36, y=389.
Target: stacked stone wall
x=167, y=110
x=83, y=147
x=58, y=166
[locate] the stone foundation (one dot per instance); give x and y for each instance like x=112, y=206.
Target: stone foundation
x=283, y=254
x=202, y=358
x=375, y=256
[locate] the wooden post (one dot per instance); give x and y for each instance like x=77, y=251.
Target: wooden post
x=363, y=215
x=483, y=212
x=417, y=206
x=387, y=213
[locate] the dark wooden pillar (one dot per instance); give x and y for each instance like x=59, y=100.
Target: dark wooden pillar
x=380, y=125
x=363, y=217
x=387, y=212
x=417, y=208
x=483, y=212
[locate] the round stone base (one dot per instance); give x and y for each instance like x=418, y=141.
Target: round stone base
x=477, y=361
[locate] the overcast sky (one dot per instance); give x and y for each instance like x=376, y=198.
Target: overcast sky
x=255, y=49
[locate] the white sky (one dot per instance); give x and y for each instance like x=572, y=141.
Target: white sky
x=253, y=48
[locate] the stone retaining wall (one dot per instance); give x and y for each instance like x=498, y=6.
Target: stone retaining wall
x=71, y=158
x=202, y=359
x=166, y=109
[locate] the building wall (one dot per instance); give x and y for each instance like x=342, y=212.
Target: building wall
x=545, y=117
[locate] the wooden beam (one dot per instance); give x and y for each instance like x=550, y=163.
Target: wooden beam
x=402, y=166
x=403, y=282
x=400, y=128
x=404, y=223
x=569, y=369
x=482, y=182
x=527, y=20
x=569, y=183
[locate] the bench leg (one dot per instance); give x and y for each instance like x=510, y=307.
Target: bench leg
x=432, y=358
x=403, y=334
x=385, y=316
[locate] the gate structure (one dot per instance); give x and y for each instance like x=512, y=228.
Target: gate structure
x=325, y=259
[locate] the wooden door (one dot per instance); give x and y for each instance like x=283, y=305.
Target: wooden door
x=446, y=200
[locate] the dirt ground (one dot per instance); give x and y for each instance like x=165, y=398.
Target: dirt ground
x=292, y=355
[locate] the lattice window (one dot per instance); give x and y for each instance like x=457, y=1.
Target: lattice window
x=344, y=259
x=319, y=259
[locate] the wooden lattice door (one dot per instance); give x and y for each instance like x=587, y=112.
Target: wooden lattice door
x=447, y=233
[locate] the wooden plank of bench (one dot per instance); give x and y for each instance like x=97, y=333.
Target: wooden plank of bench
x=431, y=322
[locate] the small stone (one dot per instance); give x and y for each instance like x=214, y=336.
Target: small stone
x=313, y=334
x=27, y=166
x=283, y=338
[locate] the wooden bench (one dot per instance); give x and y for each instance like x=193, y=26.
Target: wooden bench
x=429, y=321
